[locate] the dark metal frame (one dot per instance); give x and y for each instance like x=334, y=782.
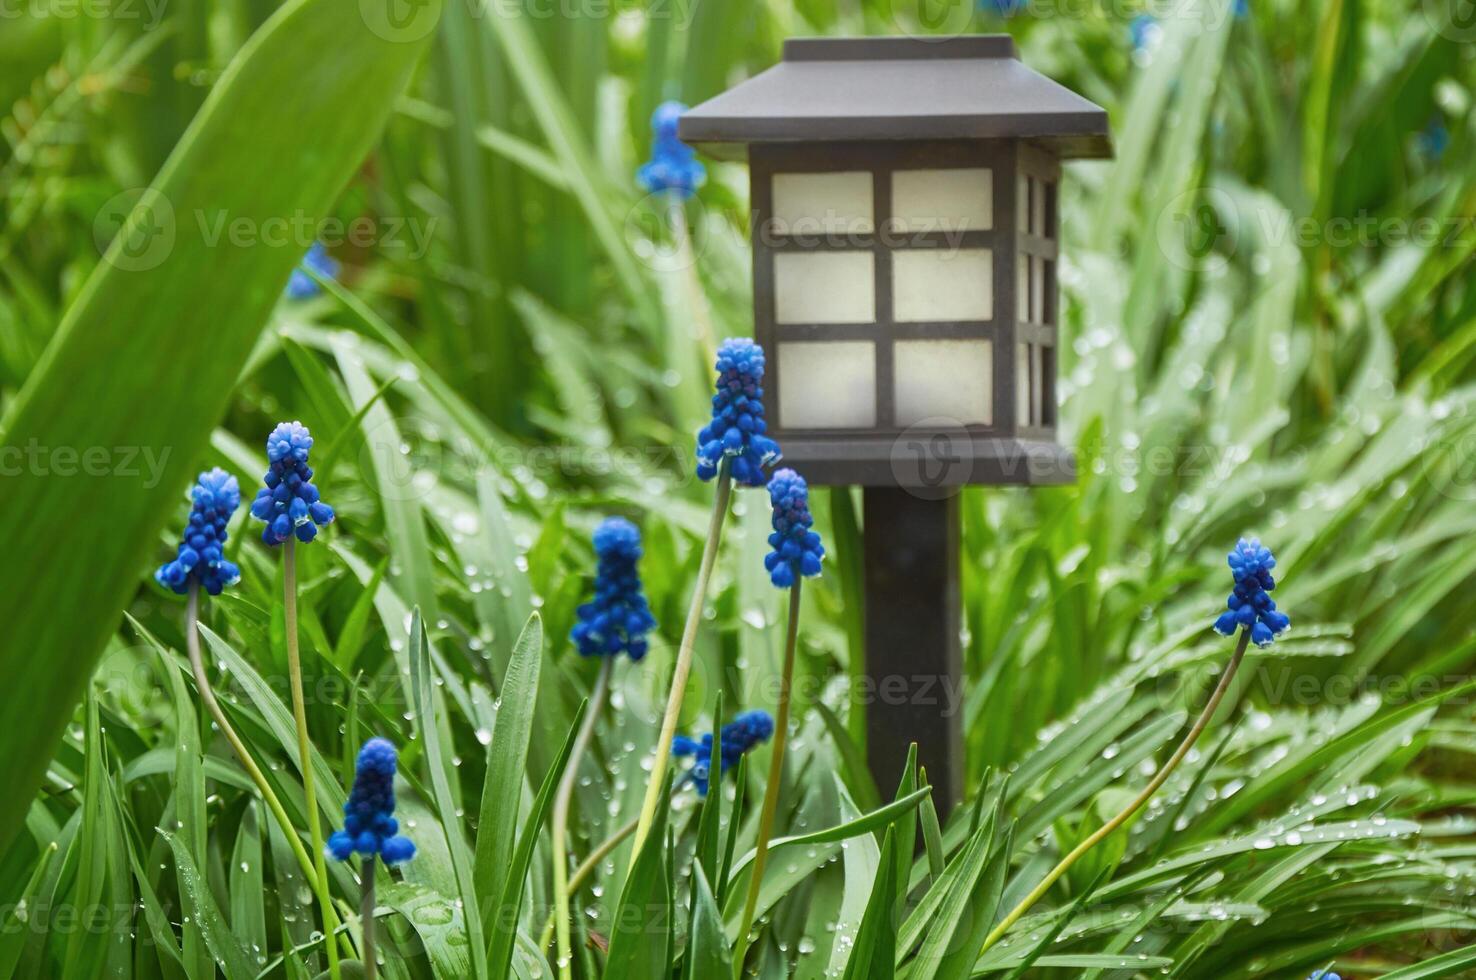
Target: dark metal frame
x=1003, y=452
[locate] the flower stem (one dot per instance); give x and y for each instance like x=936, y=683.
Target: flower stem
x=305, y=748
x=683, y=667
x=207, y=695
x=776, y=774
x=676, y=210
x=1137, y=804
x=561, y=815
x=366, y=918
x=586, y=868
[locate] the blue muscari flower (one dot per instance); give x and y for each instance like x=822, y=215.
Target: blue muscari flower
x=1145, y=33
x=201, y=557
x=1241, y=9
x=797, y=549
x=736, y=431
x=673, y=167
x=289, y=502
x=301, y=285
x=1003, y=8
x=619, y=618
x=369, y=824
x=1324, y=975
x=1434, y=139
x=738, y=736
x=1250, y=605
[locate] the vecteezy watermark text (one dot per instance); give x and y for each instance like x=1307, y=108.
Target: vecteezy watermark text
x=126, y=462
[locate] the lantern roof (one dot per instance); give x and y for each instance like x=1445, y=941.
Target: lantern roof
x=899, y=88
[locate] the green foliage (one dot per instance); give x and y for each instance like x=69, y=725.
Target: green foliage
x=520, y=351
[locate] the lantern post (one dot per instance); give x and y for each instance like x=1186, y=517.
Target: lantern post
x=905, y=247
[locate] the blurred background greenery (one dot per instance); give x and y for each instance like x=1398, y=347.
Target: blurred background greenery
x=1269, y=326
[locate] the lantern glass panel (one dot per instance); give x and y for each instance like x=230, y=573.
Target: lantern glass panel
x=950, y=379
x=1022, y=384
x=827, y=385
x=943, y=200
x=942, y=285
x=823, y=204
x=824, y=287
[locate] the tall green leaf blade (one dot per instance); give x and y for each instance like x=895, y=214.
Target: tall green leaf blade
x=136, y=329
x=507, y=764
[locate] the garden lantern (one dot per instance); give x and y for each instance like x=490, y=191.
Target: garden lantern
x=905, y=246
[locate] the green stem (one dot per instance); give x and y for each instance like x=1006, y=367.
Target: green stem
x=683, y=667
x=366, y=918
x=207, y=695
x=561, y=816
x=582, y=873
x=676, y=210
x=305, y=751
x=1137, y=804
x=771, y=792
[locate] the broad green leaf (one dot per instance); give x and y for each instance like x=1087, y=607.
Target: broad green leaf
x=875, y=949
x=135, y=330
x=708, y=954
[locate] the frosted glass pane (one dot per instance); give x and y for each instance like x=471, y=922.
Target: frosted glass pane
x=830, y=385
x=828, y=204
x=1022, y=289
x=943, y=200
x=1022, y=384
x=1037, y=209
x=1022, y=204
x=824, y=287
x=1037, y=289
x=942, y=284
x=950, y=379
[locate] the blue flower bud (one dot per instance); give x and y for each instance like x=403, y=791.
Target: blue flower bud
x=214, y=498
x=673, y=167
x=618, y=618
x=740, y=375
x=289, y=503
x=738, y=737
x=369, y=826
x=1250, y=607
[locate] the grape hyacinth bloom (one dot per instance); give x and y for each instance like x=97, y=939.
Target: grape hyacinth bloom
x=1146, y=34
x=797, y=549
x=1001, y=8
x=673, y=167
x=738, y=737
x=1250, y=604
x=289, y=503
x=303, y=286
x=736, y=432
x=369, y=824
x=618, y=618
x=201, y=556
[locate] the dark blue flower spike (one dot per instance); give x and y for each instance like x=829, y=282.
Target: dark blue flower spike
x=797, y=549
x=1250, y=604
x=739, y=736
x=618, y=618
x=201, y=556
x=303, y=286
x=673, y=167
x=289, y=503
x=369, y=824
x=736, y=432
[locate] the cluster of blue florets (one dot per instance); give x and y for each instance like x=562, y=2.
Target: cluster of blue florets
x=738, y=736
x=201, y=556
x=289, y=502
x=673, y=167
x=797, y=549
x=1250, y=605
x=736, y=432
x=302, y=285
x=369, y=824
x=618, y=618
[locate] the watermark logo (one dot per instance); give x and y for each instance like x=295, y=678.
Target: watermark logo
x=135, y=230
x=1199, y=230
x=932, y=20
x=400, y=21
x=933, y=458
x=1453, y=19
